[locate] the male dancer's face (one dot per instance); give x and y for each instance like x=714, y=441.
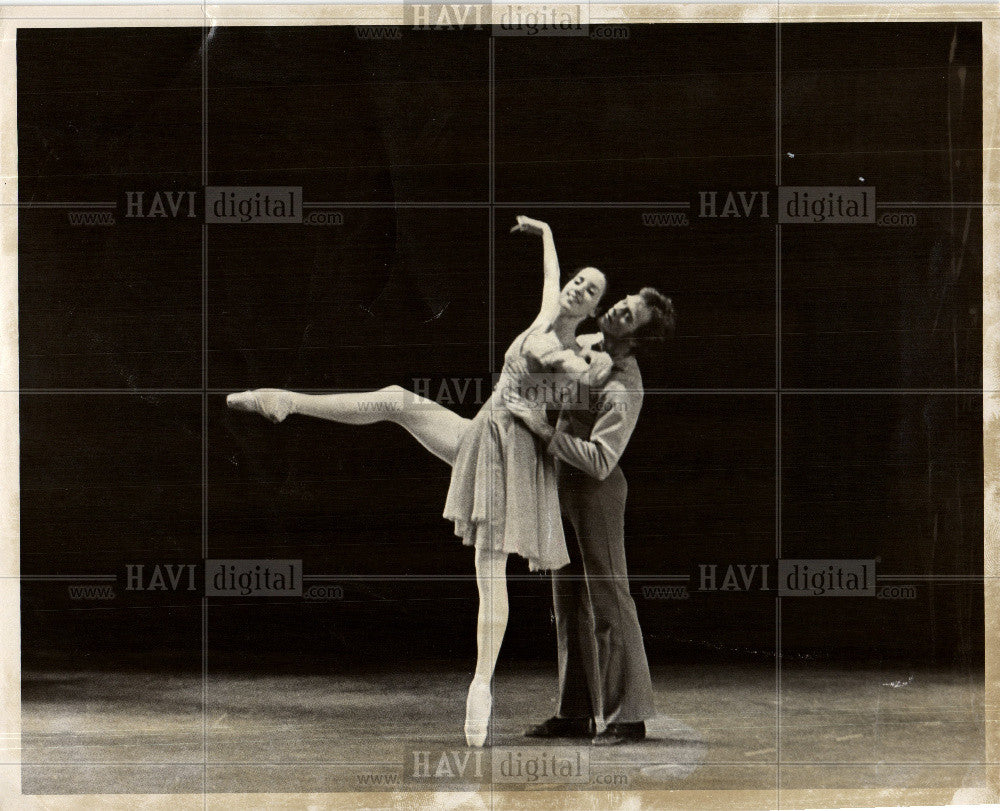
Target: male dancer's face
x=625, y=317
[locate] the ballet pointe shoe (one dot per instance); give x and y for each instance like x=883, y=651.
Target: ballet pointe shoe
x=270, y=403
x=243, y=401
x=477, y=713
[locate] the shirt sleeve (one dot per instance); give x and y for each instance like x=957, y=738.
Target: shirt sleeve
x=597, y=456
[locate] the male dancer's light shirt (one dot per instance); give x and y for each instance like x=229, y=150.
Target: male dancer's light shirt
x=593, y=439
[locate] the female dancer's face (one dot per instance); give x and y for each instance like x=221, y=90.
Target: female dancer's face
x=583, y=292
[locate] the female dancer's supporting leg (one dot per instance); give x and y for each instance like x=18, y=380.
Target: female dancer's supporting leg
x=440, y=431
x=491, y=624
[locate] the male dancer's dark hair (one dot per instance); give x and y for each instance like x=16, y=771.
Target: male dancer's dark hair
x=662, y=322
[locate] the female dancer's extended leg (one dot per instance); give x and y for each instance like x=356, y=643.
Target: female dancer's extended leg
x=435, y=427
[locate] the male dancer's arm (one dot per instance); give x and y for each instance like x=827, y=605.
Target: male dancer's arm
x=618, y=407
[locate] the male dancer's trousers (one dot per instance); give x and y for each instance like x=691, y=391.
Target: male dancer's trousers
x=602, y=661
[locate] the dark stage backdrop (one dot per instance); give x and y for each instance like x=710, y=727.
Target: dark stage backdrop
x=131, y=335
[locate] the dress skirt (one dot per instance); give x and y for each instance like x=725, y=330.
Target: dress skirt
x=503, y=494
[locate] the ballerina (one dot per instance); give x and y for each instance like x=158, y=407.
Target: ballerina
x=503, y=495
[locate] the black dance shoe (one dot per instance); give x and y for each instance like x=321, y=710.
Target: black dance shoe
x=623, y=732
x=557, y=727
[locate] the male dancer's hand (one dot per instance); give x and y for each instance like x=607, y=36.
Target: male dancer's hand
x=599, y=366
x=532, y=416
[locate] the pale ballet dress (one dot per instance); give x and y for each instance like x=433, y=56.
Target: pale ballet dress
x=503, y=483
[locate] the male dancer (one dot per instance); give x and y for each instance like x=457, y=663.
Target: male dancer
x=602, y=661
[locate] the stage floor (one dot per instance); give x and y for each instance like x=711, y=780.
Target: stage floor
x=717, y=728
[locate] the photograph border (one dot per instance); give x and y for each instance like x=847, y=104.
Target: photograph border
x=13, y=18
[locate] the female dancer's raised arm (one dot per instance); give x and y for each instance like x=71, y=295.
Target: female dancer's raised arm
x=585, y=285
x=550, y=267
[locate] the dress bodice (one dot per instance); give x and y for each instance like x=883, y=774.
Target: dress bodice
x=518, y=363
